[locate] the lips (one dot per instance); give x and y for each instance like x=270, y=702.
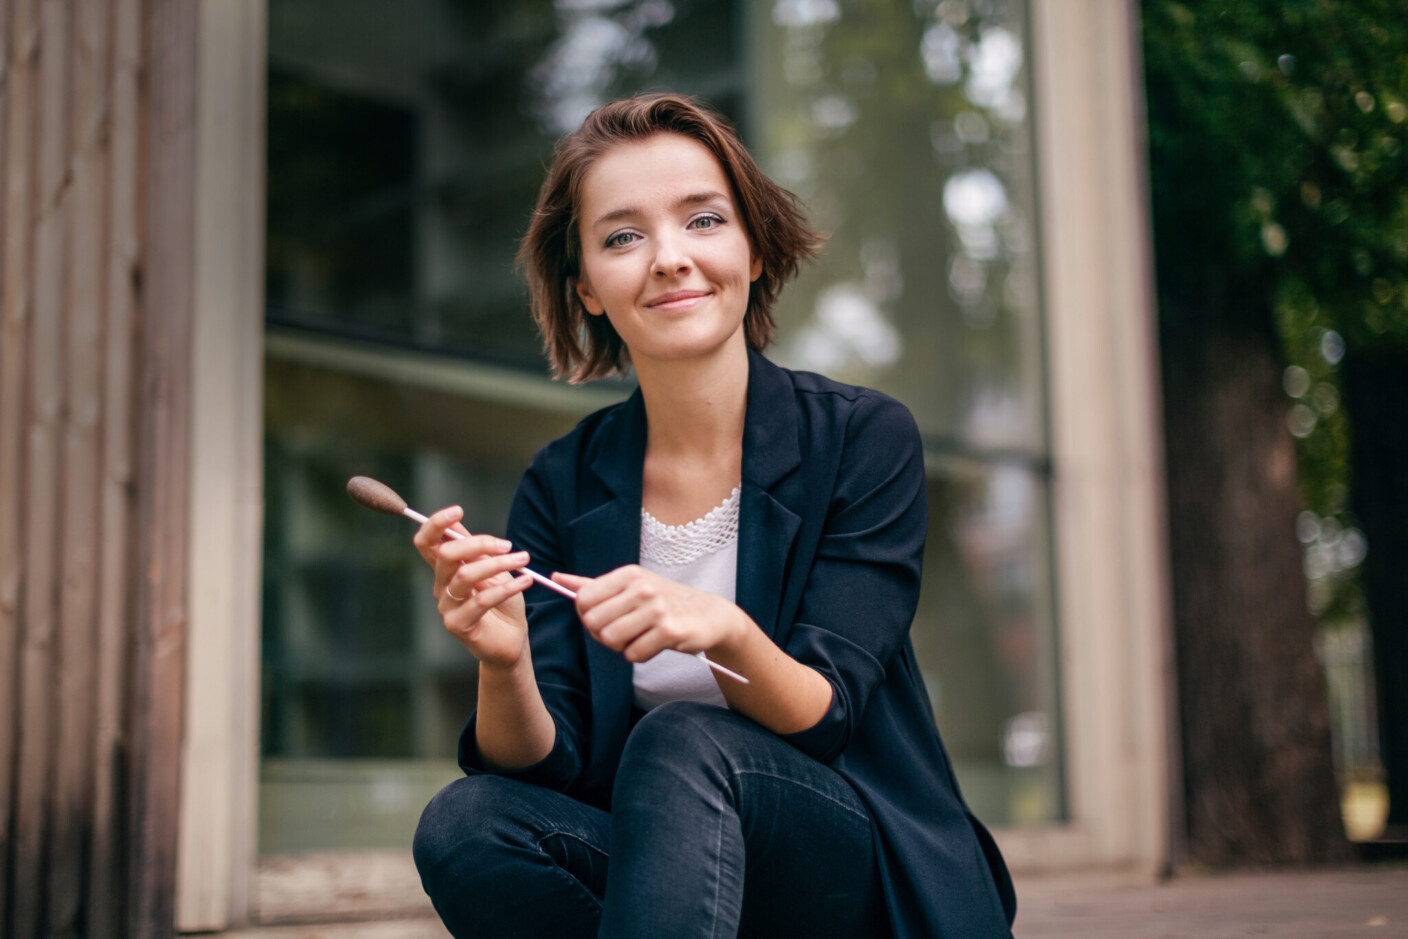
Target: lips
x=677, y=300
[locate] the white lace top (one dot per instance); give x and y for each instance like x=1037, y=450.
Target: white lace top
x=703, y=554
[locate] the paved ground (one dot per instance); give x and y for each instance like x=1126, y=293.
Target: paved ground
x=1362, y=901
x=1369, y=901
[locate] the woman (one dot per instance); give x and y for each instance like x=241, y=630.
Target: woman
x=773, y=520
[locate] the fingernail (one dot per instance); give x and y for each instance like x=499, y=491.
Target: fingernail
x=504, y=545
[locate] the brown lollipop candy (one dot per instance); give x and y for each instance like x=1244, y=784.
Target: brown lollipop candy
x=377, y=496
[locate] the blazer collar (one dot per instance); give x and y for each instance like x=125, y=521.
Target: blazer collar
x=617, y=454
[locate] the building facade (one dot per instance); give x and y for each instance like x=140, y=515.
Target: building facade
x=253, y=248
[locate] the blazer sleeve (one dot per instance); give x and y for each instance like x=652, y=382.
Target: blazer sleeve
x=559, y=656
x=862, y=588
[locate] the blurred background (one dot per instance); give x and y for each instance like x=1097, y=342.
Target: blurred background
x=1139, y=268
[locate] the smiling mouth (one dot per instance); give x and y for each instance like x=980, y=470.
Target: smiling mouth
x=677, y=299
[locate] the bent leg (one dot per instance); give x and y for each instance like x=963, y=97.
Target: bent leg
x=721, y=828
x=501, y=857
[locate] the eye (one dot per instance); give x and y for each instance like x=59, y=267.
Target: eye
x=620, y=239
x=706, y=221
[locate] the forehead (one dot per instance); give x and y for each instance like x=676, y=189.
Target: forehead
x=648, y=170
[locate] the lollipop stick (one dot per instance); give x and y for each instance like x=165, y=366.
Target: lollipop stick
x=545, y=581
x=720, y=669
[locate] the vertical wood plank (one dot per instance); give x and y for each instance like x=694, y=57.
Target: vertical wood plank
x=17, y=112
x=163, y=454
x=40, y=612
x=80, y=521
x=107, y=889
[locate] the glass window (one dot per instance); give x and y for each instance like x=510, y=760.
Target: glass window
x=905, y=128
x=406, y=143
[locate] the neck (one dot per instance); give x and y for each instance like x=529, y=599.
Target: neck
x=697, y=406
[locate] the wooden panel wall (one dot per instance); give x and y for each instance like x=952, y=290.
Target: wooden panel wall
x=96, y=158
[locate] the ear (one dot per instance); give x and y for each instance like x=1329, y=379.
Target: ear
x=589, y=300
x=756, y=270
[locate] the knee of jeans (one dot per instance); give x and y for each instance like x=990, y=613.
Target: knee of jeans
x=455, y=820
x=678, y=737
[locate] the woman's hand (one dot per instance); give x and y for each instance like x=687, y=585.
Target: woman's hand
x=641, y=614
x=479, y=599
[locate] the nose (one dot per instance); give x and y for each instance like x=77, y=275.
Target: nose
x=671, y=258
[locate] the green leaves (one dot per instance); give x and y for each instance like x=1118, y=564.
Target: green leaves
x=1277, y=143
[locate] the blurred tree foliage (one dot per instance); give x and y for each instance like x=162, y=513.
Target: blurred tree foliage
x=1280, y=195
x=1278, y=137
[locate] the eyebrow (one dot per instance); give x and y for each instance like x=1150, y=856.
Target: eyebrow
x=696, y=198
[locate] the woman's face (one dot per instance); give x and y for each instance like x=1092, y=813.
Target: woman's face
x=665, y=253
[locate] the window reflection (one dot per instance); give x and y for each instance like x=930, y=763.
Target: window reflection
x=984, y=636
x=600, y=42
x=904, y=128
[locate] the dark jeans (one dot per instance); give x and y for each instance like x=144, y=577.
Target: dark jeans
x=718, y=828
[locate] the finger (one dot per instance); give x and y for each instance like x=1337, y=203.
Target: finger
x=448, y=567
x=578, y=584
x=473, y=546
x=469, y=610
x=600, y=612
x=573, y=582
x=492, y=596
x=621, y=632
x=646, y=646
x=449, y=596
x=482, y=572
x=613, y=595
x=593, y=590
x=432, y=531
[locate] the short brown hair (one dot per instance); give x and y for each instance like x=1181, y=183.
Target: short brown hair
x=582, y=347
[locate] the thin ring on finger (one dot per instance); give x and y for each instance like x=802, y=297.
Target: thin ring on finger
x=450, y=593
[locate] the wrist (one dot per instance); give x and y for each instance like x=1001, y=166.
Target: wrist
x=507, y=671
x=737, y=630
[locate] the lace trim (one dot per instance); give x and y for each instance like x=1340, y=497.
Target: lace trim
x=672, y=545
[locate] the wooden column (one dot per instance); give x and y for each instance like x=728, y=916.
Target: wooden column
x=96, y=248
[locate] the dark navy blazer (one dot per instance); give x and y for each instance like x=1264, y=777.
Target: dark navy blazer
x=832, y=522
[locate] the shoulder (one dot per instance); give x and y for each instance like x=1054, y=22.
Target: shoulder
x=852, y=412
x=577, y=472
x=578, y=446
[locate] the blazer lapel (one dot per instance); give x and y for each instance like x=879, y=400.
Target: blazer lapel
x=767, y=528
